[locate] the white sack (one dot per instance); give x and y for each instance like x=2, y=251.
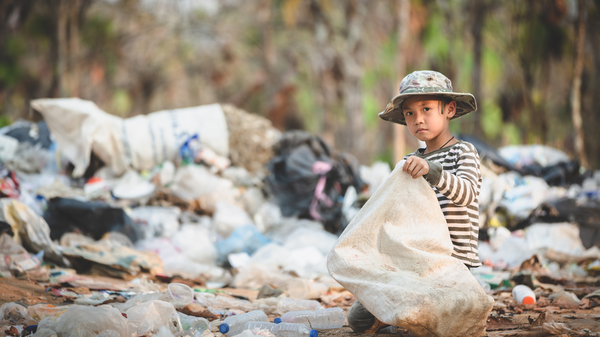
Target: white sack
x=140, y=142
x=395, y=257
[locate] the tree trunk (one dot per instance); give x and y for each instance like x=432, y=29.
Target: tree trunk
x=576, y=90
x=269, y=59
x=403, y=12
x=61, y=36
x=478, y=18
x=74, y=61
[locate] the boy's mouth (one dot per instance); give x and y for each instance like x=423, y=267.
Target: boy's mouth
x=421, y=130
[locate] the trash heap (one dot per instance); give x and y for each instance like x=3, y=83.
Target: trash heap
x=169, y=206
x=177, y=222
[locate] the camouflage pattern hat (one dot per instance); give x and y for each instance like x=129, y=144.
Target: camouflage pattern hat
x=426, y=82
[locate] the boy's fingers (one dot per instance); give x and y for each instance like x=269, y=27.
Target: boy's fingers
x=408, y=166
x=406, y=163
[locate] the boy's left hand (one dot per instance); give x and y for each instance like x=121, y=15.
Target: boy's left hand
x=416, y=167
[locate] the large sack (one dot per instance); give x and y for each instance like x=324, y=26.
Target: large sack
x=140, y=142
x=395, y=257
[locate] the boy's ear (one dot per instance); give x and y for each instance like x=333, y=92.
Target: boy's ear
x=450, y=109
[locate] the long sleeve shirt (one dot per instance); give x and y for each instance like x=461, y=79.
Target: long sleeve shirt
x=454, y=174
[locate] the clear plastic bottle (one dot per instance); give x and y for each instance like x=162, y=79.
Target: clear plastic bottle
x=283, y=329
x=235, y=324
x=193, y=325
x=287, y=304
x=331, y=318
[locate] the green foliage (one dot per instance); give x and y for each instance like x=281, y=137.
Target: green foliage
x=121, y=102
x=308, y=108
x=436, y=43
x=10, y=72
x=5, y=121
x=387, y=156
x=492, y=70
x=511, y=135
x=98, y=32
x=491, y=119
x=371, y=108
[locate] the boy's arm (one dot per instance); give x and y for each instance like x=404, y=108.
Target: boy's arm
x=462, y=187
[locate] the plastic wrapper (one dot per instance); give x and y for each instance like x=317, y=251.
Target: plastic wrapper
x=14, y=313
x=147, y=317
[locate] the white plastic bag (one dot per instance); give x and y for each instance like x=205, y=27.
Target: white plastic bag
x=140, y=142
x=395, y=257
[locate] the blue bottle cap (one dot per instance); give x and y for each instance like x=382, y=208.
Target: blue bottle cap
x=314, y=333
x=277, y=320
x=224, y=328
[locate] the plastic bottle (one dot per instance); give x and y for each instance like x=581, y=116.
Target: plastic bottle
x=288, y=304
x=304, y=289
x=331, y=318
x=193, y=325
x=523, y=294
x=235, y=324
x=486, y=286
x=283, y=329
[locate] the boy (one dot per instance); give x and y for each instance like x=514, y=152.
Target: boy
x=425, y=104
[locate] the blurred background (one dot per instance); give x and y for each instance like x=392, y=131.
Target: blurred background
x=325, y=66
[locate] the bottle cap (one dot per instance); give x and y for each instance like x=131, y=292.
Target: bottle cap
x=528, y=300
x=314, y=333
x=224, y=328
x=277, y=320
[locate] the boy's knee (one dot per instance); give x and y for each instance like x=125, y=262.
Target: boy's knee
x=360, y=319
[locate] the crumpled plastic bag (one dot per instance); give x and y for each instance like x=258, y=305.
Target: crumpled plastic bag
x=147, y=317
x=395, y=257
x=30, y=229
x=88, y=321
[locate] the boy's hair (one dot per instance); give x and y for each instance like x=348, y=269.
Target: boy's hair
x=445, y=101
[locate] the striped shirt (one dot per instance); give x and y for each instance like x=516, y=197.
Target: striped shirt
x=456, y=179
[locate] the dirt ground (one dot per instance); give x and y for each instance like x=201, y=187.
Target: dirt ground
x=26, y=292
x=546, y=318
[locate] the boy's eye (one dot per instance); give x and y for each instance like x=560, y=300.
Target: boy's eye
x=426, y=109
x=408, y=113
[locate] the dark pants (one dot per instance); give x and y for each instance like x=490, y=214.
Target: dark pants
x=361, y=320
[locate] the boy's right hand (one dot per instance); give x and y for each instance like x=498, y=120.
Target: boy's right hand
x=416, y=167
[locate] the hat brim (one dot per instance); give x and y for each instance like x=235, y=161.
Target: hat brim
x=465, y=103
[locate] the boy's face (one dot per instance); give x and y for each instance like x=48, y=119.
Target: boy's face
x=424, y=117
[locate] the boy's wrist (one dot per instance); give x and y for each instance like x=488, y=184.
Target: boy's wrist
x=435, y=172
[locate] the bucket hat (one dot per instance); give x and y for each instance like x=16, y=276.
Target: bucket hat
x=426, y=82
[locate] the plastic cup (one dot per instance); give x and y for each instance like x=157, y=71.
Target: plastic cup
x=179, y=294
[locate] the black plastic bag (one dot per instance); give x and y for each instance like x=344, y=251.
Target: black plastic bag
x=585, y=213
x=307, y=180
x=92, y=219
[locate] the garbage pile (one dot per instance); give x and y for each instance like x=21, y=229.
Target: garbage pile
x=201, y=195
x=208, y=221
